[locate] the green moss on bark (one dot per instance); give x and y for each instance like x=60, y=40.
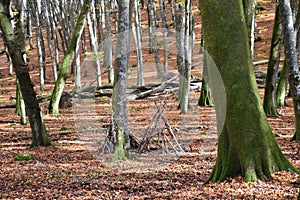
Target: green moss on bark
x=246, y=144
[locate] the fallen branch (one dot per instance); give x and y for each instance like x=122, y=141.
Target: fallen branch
x=160, y=88
x=262, y=62
x=8, y=106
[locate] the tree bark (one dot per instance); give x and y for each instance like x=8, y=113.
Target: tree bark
x=108, y=53
x=246, y=144
x=138, y=43
x=205, y=98
x=67, y=61
x=20, y=105
x=16, y=48
x=270, y=101
x=289, y=37
x=249, y=9
x=281, y=90
x=122, y=149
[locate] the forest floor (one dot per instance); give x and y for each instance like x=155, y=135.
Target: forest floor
x=72, y=169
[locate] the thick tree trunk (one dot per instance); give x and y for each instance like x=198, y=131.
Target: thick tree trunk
x=122, y=149
x=67, y=61
x=16, y=48
x=246, y=144
x=291, y=54
x=270, y=104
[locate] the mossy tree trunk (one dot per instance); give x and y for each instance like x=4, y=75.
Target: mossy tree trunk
x=289, y=37
x=122, y=149
x=14, y=39
x=67, y=61
x=246, y=144
x=270, y=103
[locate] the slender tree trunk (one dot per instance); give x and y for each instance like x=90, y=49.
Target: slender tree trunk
x=152, y=23
x=48, y=30
x=20, y=104
x=282, y=86
x=246, y=144
x=205, y=98
x=16, y=47
x=94, y=47
x=29, y=28
x=165, y=35
x=39, y=42
x=67, y=61
x=270, y=104
x=54, y=35
x=108, y=43
x=180, y=24
x=138, y=43
x=184, y=85
x=249, y=9
x=291, y=54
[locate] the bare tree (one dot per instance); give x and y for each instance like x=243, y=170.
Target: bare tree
x=14, y=40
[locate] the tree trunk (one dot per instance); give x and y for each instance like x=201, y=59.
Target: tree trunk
x=246, y=144
x=180, y=25
x=122, y=149
x=95, y=48
x=20, y=104
x=152, y=23
x=282, y=86
x=16, y=47
x=270, y=104
x=67, y=61
x=249, y=9
x=39, y=42
x=184, y=85
x=205, y=98
x=48, y=30
x=108, y=44
x=165, y=35
x=289, y=37
x=138, y=43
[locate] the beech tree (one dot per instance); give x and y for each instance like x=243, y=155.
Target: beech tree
x=289, y=37
x=270, y=101
x=246, y=144
x=67, y=61
x=14, y=39
x=122, y=149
